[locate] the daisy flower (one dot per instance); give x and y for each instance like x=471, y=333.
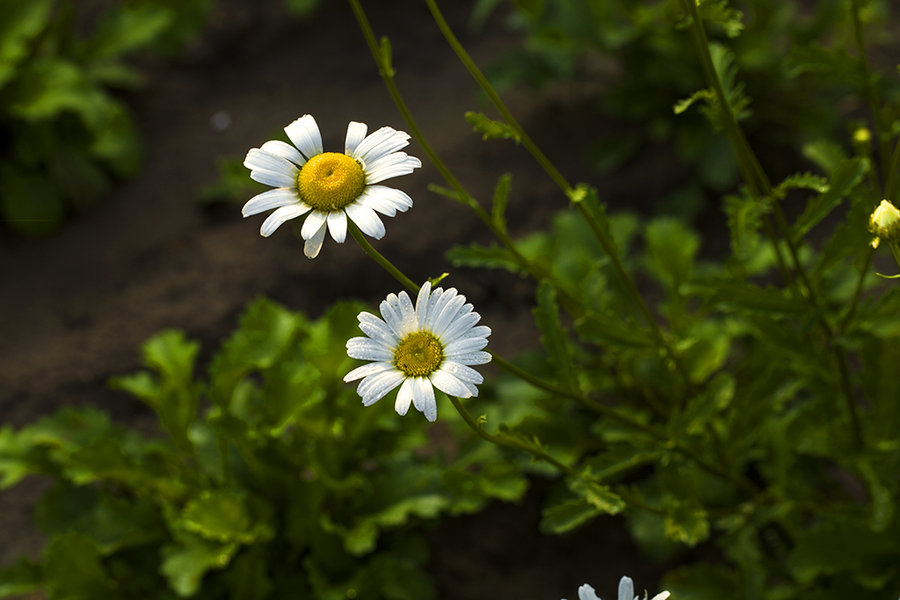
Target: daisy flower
x=329, y=187
x=431, y=345
x=626, y=592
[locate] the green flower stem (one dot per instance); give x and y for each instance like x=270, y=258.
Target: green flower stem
x=526, y=376
x=507, y=442
x=386, y=70
x=485, y=85
x=857, y=293
x=760, y=182
x=869, y=90
x=557, y=178
x=380, y=259
x=895, y=251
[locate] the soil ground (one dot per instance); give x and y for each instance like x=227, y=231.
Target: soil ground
x=78, y=304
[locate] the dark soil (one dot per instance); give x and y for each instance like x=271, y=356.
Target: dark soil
x=78, y=304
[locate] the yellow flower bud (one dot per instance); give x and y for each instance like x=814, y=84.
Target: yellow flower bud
x=862, y=135
x=884, y=222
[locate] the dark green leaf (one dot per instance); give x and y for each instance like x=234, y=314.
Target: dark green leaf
x=23, y=577
x=21, y=22
x=73, y=569
x=185, y=564
x=501, y=198
x=222, y=516
x=491, y=129
x=568, y=515
x=847, y=175
x=553, y=336
x=489, y=257
x=604, y=329
x=671, y=249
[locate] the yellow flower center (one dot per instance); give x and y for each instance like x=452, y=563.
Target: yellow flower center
x=330, y=181
x=419, y=354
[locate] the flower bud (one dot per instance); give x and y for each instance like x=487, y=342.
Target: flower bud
x=884, y=222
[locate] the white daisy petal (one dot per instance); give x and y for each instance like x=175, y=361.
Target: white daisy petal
x=464, y=346
x=423, y=397
x=392, y=316
x=474, y=358
x=376, y=329
x=374, y=388
x=304, y=133
x=392, y=165
x=366, y=219
x=444, y=315
x=269, y=200
x=366, y=349
x=260, y=160
x=284, y=150
x=586, y=592
x=387, y=201
x=380, y=143
x=313, y=245
x=449, y=384
x=626, y=589
x=422, y=303
x=356, y=132
x=404, y=397
x=313, y=223
x=460, y=327
x=368, y=370
x=337, y=226
x=285, y=213
x=274, y=178
x=462, y=372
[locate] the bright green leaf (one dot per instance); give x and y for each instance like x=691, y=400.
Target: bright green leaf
x=491, y=129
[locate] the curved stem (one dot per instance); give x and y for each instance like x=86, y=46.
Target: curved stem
x=507, y=442
x=857, y=293
x=380, y=259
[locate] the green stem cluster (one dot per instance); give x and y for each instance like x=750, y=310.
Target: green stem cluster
x=758, y=185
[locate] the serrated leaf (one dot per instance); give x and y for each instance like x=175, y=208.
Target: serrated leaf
x=553, y=337
x=700, y=95
x=222, y=516
x=671, y=249
x=491, y=129
x=845, y=177
x=489, y=257
x=185, y=564
x=568, y=515
x=597, y=495
x=686, y=524
x=501, y=198
x=749, y=296
x=719, y=13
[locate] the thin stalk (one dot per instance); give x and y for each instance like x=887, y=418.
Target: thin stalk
x=535, y=381
x=890, y=191
x=556, y=176
x=387, y=74
x=381, y=260
x=507, y=442
x=869, y=90
x=746, y=156
x=857, y=293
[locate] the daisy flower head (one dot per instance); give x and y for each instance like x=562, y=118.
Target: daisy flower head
x=430, y=345
x=626, y=592
x=329, y=187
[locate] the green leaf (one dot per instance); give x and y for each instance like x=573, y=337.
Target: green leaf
x=128, y=28
x=568, y=515
x=301, y=8
x=606, y=329
x=553, y=337
x=748, y=296
x=671, y=249
x=491, y=129
x=488, y=257
x=185, y=564
x=718, y=13
x=686, y=523
x=73, y=569
x=172, y=394
x=21, y=23
x=222, y=516
x=22, y=577
x=597, y=495
x=247, y=576
x=361, y=537
x=501, y=198
x=845, y=177
x=745, y=219
x=703, y=95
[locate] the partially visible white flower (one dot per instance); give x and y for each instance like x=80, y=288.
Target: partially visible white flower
x=330, y=186
x=626, y=592
x=431, y=345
